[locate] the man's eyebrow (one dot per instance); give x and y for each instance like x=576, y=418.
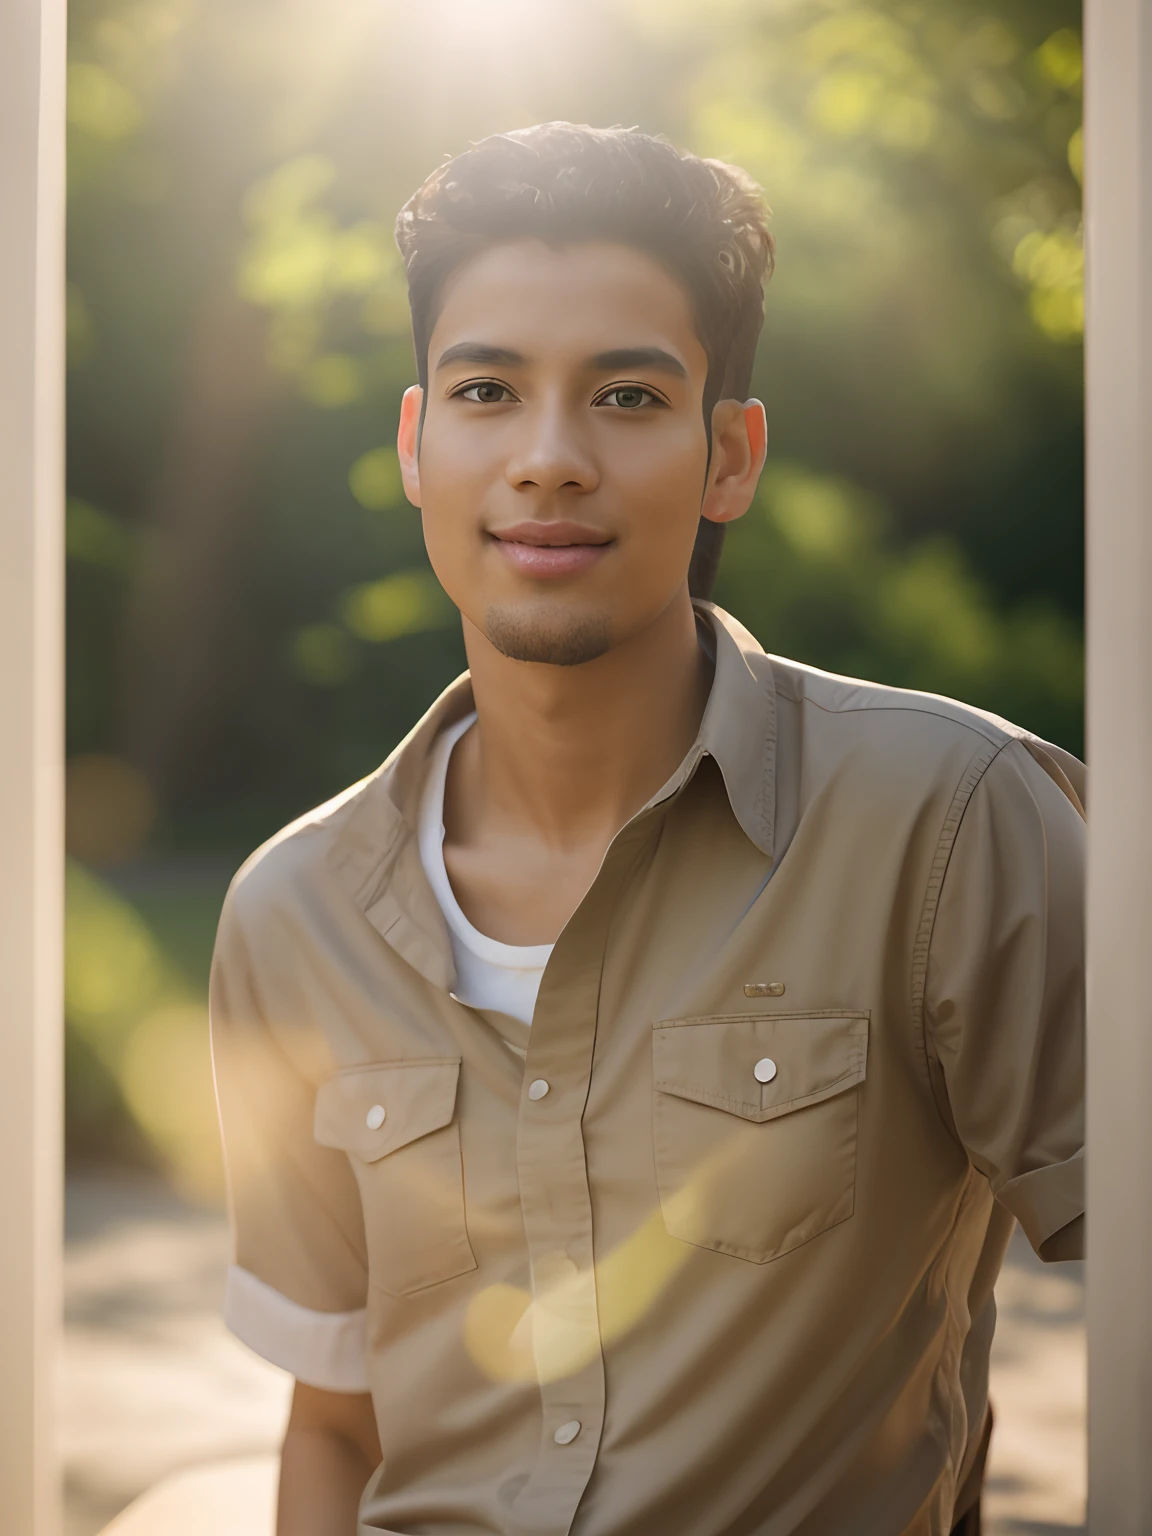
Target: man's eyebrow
x=480, y=353
x=621, y=359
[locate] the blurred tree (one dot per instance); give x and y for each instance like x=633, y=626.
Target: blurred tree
x=179, y=677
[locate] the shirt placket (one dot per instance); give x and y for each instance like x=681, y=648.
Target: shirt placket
x=556, y=1204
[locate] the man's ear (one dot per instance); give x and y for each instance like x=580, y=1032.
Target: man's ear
x=408, y=442
x=739, y=447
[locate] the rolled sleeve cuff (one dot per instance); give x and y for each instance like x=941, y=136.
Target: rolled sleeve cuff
x=1047, y=1199
x=322, y=1349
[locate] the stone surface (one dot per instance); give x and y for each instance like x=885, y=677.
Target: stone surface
x=231, y=1498
x=1036, y=1477
x=154, y=1385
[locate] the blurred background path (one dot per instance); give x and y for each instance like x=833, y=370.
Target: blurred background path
x=153, y=1383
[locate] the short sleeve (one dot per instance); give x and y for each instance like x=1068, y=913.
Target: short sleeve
x=1004, y=991
x=296, y=1290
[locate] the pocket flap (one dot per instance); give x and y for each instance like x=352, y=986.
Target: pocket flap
x=374, y=1110
x=805, y=1056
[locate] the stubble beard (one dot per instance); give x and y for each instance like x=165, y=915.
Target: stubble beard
x=556, y=640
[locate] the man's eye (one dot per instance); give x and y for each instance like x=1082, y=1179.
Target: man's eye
x=487, y=392
x=628, y=397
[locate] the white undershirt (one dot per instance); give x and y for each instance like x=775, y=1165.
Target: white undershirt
x=489, y=974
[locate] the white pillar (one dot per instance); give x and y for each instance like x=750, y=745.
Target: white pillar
x=1118, y=140
x=31, y=694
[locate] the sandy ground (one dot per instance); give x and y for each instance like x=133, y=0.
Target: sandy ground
x=153, y=1383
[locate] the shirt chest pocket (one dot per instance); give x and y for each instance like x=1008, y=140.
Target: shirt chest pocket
x=396, y=1122
x=755, y=1125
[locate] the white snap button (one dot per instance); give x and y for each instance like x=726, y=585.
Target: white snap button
x=538, y=1089
x=765, y=1069
x=374, y=1119
x=567, y=1432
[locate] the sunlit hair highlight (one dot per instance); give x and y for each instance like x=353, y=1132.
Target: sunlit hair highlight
x=704, y=221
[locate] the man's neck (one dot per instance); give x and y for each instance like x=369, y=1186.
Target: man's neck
x=561, y=759
x=568, y=751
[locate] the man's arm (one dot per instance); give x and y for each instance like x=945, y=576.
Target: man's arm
x=1004, y=995
x=330, y=1450
x=297, y=1289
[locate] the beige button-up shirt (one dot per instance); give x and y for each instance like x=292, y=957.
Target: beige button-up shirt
x=708, y=1250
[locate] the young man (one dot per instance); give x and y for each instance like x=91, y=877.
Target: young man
x=628, y=1091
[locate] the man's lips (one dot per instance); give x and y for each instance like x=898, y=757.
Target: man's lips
x=550, y=549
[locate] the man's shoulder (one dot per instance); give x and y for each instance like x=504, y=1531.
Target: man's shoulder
x=859, y=702
x=858, y=710
x=343, y=845
x=324, y=848
x=907, y=733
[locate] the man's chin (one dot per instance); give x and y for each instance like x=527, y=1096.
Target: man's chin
x=552, y=639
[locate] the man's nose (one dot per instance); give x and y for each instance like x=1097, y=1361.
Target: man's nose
x=551, y=454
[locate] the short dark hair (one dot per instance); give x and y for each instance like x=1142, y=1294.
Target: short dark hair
x=702, y=220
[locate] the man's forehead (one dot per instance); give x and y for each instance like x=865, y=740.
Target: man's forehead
x=526, y=298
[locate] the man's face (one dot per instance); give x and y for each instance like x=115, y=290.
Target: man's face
x=563, y=457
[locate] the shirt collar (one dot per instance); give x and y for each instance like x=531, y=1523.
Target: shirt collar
x=739, y=726
x=738, y=730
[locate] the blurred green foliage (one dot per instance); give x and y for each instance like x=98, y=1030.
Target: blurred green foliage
x=252, y=621
x=137, y=1062
x=814, y=557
